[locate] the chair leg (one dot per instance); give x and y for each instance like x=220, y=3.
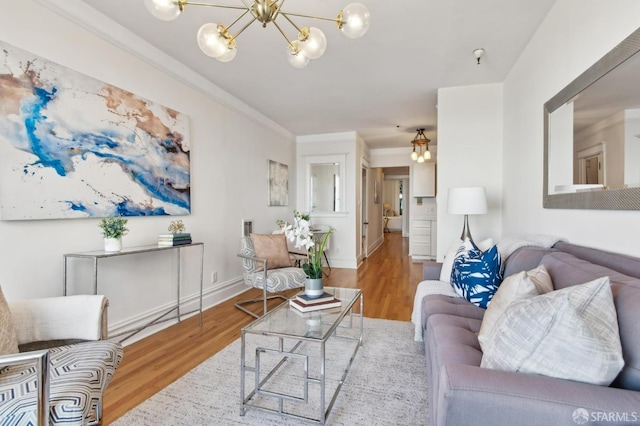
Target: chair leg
x=240, y=306
x=328, y=264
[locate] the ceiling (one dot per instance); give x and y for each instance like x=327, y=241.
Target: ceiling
x=384, y=85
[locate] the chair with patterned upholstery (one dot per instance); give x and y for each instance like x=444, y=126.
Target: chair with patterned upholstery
x=266, y=264
x=55, y=361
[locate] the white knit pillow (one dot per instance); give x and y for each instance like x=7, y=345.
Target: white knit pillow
x=522, y=285
x=569, y=334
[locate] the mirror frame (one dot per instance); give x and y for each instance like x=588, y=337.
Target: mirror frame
x=610, y=199
x=310, y=160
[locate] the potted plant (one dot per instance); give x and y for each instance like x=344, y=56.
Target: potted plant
x=113, y=228
x=301, y=233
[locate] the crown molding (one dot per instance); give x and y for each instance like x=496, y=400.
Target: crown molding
x=95, y=22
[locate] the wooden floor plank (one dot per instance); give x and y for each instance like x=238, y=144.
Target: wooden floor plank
x=388, y=279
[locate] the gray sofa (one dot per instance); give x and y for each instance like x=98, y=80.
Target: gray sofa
x=463, y=393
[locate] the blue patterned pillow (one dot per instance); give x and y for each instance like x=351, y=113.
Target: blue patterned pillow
x=476, y=276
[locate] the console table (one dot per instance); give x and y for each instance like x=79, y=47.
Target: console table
x=95, y=256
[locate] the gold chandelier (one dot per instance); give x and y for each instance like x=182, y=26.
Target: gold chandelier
x=215, y=40
x=421, y=141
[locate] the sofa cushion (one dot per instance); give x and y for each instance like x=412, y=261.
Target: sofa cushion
x=522, y=285
x=569, y=334
x=272, y=247
x=476, y=275
x=566, y=270
x=8, y=337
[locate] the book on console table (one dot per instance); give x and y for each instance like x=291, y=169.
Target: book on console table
x=173, y=243
x=174, y=237
x=171, y=240
x=308, y=307
x=303, y=298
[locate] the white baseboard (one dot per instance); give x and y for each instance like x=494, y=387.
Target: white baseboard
x=210, y=297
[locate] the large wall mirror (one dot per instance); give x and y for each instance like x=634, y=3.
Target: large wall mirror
x=592, y=136
x=325, y=183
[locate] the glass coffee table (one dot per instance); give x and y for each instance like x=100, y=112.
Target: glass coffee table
x=295, y=363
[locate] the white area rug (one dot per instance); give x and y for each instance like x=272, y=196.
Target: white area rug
x=385, y=386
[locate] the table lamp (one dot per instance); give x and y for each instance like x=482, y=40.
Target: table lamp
x=467, y=201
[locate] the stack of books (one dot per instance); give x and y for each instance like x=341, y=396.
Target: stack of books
x=304, y=303
x=171, y=240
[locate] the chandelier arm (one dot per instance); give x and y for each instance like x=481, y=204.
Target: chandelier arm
x=275, y=15
x=239, y=18
x=300, y=15
x=243, y=28
x=223, y=6
x=291, y=22
x=283, y=34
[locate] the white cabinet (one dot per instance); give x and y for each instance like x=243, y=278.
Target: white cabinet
x=423, y=180
x=423, y=239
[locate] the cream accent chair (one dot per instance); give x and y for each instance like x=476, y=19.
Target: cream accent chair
x=257, y=274
x=64, y=362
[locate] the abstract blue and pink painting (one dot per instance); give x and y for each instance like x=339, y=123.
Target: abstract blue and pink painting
x=72, y=146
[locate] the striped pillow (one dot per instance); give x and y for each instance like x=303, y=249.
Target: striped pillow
x=522, y=285
x=568, y=334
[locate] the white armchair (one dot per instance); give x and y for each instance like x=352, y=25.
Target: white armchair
x=65, y=362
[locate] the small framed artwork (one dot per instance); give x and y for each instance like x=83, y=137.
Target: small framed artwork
x=278, y=184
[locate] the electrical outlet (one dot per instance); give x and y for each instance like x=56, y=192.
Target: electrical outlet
x=214, y=277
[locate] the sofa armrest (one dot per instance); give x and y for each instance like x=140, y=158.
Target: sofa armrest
x=82, y=317
x=473, y=395
x=431, y=271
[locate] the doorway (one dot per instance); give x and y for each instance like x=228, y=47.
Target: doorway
x=591, y=165
x=364, y=249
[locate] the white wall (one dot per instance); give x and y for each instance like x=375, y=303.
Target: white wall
x=343, y=252
x=469, y=154
x=229, y=182
x=574, y=35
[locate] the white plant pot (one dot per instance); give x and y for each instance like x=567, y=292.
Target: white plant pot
x=113, y=244
x=313, y=287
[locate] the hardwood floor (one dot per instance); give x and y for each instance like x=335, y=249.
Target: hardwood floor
x=388, y=279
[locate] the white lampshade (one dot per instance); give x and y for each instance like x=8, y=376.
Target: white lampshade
x=315, y=45
x=356, y=20
x=165, y=10
x=467, y=200
x=426, y=155
x=420, y=159
x=414, y=155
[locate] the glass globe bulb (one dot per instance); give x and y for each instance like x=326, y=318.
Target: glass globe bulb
x=165, y=10
x=356, y=20
x=426, y=155
x=421, y=159
x=298, y=61
x=315, y=44
x=211, y=41
x=414, y=155
x=229, y=55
